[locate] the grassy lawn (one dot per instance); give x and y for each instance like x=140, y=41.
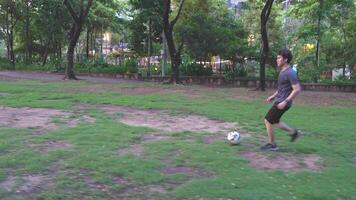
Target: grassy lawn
x=88, y=153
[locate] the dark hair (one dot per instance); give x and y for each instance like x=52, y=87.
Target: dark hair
x=286, y=54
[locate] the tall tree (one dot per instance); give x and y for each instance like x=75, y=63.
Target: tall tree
x=315, y=17
x=10, y=15
x=145, y=26
x=49, y=27
x=168, y=26
x=209, y=28
x=74, y=33
x=275, y=35
x=266, y=11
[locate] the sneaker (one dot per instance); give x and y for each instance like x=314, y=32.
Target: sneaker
x=295, y=135
x=269, y=147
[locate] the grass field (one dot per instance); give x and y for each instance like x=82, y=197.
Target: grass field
x=81, y=140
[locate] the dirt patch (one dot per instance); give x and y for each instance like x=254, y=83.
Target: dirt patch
x=4, y=94
x=283, y=162
x=73, y=122
x=51, y=146
x=162, y=120
x=8, y=184
x=119, y=180
x=28, y=117
x=134, y=149
x=354, y=160
x=27, y=185
x=154, y=136
x=33, y=183
x=38, y=118
x=146, y=189
x=93, y=184
x=138, y=149
x=189, y=171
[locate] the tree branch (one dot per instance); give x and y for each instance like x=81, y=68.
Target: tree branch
x=180, y=47
x=266, y=11
x=71, y=11
x=90, y=2
x=179, y=11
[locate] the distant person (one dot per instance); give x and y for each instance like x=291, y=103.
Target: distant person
x=288, y=89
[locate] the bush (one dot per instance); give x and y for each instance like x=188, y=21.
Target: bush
x=233, y=73
x=5, y=64
x=195, y=69
x=130, y=66
x=155, y=70
x=100, y=66
x=271, y=73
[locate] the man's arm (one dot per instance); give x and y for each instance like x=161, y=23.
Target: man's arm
x=270, y=98
x=292, y=95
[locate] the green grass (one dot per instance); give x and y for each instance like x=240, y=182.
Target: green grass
x=330, y=133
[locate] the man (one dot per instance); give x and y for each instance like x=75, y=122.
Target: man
x=288, y=89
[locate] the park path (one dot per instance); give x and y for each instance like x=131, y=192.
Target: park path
x=45, y=76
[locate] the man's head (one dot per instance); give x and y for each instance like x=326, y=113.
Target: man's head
x=284, y=57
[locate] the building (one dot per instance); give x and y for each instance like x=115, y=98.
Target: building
x=237, y=5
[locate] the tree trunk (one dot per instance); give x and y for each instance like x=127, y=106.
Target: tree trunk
x=8, y=49
x=317, y=56
x=87, y=46
x=59, y=50
x=69, y=73
x=168, y=31
x=45, y=55
x=74, y=33
x=28, y=39
x=94, y=45
x=11, y=45
x=266, y=11
x=101, y=42
x=164, y=55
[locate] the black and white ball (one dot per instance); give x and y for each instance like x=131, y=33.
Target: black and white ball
x=234, y=137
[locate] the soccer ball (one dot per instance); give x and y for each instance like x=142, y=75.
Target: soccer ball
x=234, y=137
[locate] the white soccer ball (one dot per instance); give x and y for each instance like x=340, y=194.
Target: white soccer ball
x=234, y=137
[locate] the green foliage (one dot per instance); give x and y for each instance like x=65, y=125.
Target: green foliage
x=146, y=23
x=130, y=66
x=252, y=25
x=196, y=69
x=271, y=73
x=209, y=28
x=5, y=64
x=236, y=72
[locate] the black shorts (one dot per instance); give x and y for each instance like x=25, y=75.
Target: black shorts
x=274, y=114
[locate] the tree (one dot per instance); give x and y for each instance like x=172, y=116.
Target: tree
x=9, y=16
x=266, y=11
x=315, y=17
x=48, y=29
x=74, y=33
x=209, y=28
x=252, y=26
x=168, y=26
x=338, y=37
x=102, y=17
x=146, y=27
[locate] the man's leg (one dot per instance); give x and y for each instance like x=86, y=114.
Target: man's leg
x=269, y=128
x=293, y=133
x=285, y=127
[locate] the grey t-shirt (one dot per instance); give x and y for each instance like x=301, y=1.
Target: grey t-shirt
x=286, y=79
